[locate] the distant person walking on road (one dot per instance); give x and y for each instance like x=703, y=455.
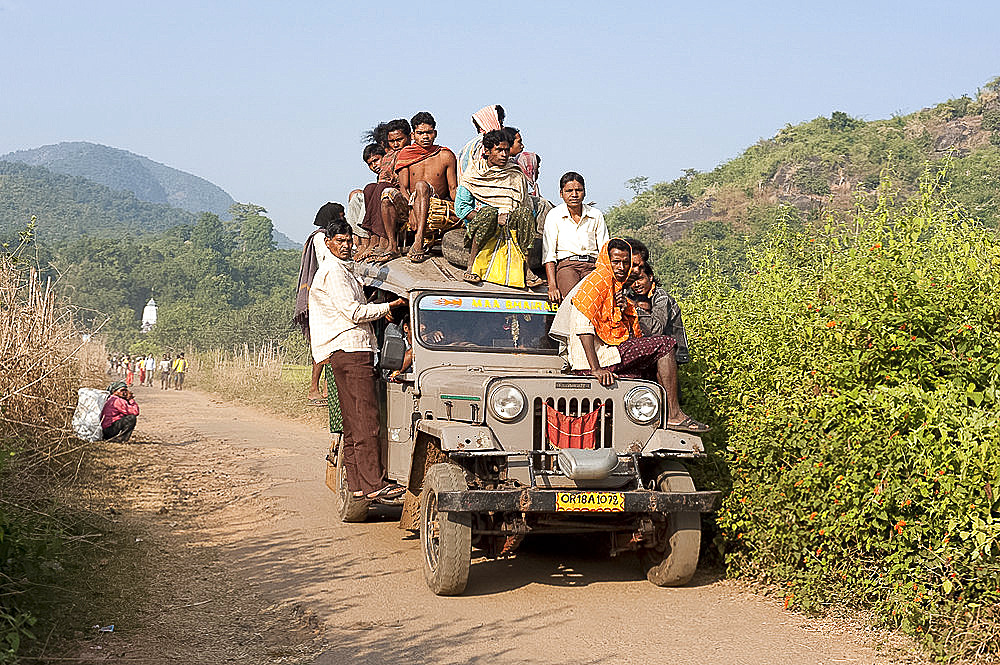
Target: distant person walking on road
x=165, y=372
x=180, y=366
x=129, y=371
x=120, y=413
x=150, y=369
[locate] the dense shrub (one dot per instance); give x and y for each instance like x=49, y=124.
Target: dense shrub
x=853, y=377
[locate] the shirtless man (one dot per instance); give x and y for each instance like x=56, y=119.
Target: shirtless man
x=428, y=177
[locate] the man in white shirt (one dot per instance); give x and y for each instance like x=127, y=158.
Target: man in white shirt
x=150, y=369
x=340, y=334
x=572, y=238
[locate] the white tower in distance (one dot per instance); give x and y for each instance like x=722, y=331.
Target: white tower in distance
x=149, y=316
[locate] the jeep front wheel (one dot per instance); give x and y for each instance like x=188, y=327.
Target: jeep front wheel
x=445, y=538
x=673, y=558
x=350, y=508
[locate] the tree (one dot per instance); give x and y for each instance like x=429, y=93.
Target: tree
x=256, y=230
x=841, y=122
x=209, y=233
x=638, y=184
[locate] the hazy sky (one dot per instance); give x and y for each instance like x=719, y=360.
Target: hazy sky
x=269, y=100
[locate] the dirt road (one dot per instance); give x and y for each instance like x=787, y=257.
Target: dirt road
x=251, y=565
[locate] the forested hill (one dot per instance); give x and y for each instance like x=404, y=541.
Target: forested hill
x=124, y=171
x=70, y=206
x=813, y=168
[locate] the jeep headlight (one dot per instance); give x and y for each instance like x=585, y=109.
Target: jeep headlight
x=506, y=403
x=642, y=405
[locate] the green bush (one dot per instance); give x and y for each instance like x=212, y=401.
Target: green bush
x=991, y=120
x=853, y=378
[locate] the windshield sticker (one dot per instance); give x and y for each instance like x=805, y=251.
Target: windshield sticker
x=509, y=305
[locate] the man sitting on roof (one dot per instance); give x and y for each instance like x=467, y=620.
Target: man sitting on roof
x=500, y=227
x=604, y=338
x=428, y=178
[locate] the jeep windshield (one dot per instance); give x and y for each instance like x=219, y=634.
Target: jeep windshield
x=475, y=323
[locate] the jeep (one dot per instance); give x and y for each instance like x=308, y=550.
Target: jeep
x=468, y=430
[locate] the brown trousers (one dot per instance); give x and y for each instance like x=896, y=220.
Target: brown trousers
x=569, y=273
x=354, y=373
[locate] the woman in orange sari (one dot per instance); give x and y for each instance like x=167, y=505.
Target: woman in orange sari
x=609, y=342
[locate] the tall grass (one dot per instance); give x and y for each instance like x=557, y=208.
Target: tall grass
x=43, y=360
x=264, y=376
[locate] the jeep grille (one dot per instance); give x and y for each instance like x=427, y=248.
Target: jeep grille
x=573, y=406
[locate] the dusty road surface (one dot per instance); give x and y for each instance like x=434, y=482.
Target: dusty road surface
x=249, y=564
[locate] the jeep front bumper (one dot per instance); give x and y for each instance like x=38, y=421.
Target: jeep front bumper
x=545, y=501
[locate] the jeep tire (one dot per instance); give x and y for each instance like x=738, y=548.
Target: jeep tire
x=445, y=538
x=453, y=248
x=349, y=508
x=674, y=557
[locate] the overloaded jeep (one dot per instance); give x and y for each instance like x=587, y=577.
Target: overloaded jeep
x=469, y=430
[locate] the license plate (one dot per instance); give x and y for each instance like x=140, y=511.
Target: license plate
x=601, y=502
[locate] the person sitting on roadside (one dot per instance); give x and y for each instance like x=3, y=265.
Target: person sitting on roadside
x=386, y=206
x=120, y=413
x=572, y=237
x=659, y=313
x=499, y=225
x=340, y=333
x=428, y=178
x=604, y=338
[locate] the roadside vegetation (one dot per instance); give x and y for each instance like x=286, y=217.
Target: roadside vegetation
x=850, y=369
x=43, y=361
x=269, y=377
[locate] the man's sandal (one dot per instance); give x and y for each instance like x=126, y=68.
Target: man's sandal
x=384, y=257
x=417, y=255
x=471, y=277
x=691, y=425
x=392, y=491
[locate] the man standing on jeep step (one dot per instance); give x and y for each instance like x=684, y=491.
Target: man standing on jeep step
x=341, y=335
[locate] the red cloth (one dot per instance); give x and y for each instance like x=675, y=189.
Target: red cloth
x=115, y=408
x=572, y=432
x=411, y=154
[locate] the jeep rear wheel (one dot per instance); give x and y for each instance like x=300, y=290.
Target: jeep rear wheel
x=350, y=508
x=674, y=557
x=445, y=538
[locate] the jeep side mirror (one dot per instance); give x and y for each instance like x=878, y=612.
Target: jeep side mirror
x=393, y=350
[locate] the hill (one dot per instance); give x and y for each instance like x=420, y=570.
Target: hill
x=814, y=168
x=149, y=181
x=121, y=170
x=68, y=206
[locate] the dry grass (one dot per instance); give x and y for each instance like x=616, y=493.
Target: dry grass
x=260, y=377
x=44, y=359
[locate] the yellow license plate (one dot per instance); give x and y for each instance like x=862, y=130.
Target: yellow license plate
x=601, y=502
